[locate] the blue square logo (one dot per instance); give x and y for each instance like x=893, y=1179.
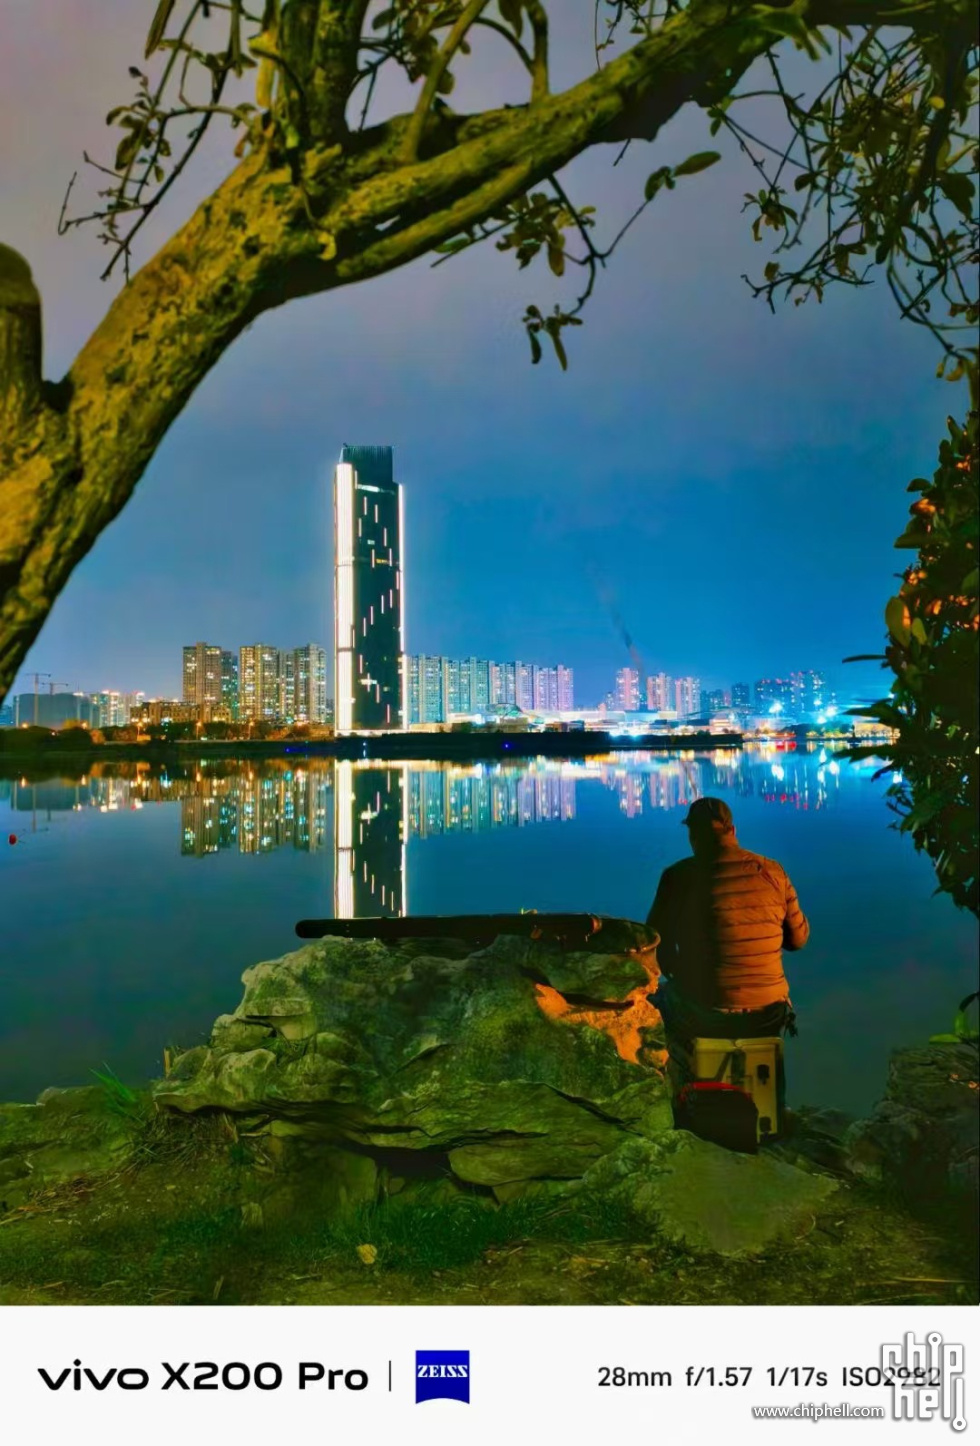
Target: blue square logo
x=442, y=1373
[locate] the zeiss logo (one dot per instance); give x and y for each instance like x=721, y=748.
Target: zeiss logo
x=442, y=1373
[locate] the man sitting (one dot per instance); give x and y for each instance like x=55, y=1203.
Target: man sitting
x=724, y=918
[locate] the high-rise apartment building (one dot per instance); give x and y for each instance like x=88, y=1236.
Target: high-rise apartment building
x=430, y=684
x=202, y=674
x=229, y=682
x=310, y=684
x=741, y=696
x=545, y=684
x=687, y=697
x=258, y=682
x=411, y=690
x=110, y=710
x=287, y=686
x=660, y=693
x=476, y=678
x=438, y=689
x=524, y=686
x=716, y=699
x=628, y=690
x=424, y=688
x=368, y=591
x=449, y=671
x=503, y=685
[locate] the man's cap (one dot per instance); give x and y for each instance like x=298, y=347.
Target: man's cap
x=709, y=813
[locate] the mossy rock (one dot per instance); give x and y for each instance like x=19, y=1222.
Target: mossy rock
x=708, y=1199
x=426, y=1047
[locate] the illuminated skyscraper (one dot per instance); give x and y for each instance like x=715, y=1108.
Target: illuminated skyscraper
x=368, y=591
x=566, y=689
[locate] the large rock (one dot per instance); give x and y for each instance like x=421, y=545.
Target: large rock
x=922, y=1137
x=428, y=1049
x=706, y=1198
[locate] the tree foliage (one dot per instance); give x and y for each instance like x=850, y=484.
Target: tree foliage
x=933, y=650
x=871, y=171
x=879, y=163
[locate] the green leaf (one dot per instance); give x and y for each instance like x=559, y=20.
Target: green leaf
x=511, y=12
x=698, y=162
x=158, y=25
x=535, y=347
x=656, y=182
x=127, y=149
x=919, y=631
x=556, y=260
x=959, y=189
x=895, y=620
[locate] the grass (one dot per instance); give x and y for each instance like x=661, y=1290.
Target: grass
x=155, y=1235
x=188, y=1216
x=418, y=1238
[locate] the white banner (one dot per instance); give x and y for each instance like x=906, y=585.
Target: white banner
x=507, y=1375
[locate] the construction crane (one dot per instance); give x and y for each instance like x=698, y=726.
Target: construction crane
x=37, y=678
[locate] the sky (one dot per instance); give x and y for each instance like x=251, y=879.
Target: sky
x=729, y=481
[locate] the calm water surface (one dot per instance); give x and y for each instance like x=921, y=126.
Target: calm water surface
x=132, y=903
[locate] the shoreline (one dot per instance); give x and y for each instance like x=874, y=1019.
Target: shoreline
x=387, y=747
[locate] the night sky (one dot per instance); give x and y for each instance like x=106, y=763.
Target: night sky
x=731, y=479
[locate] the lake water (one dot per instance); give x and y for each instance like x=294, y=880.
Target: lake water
x=132, y=900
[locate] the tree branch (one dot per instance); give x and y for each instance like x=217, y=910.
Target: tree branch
x=337, y=40
x=450, y=46
x=20, y=344
x=539, y=65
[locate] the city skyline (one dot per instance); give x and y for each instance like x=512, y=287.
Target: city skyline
x=379, y=686
x=293, y=690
